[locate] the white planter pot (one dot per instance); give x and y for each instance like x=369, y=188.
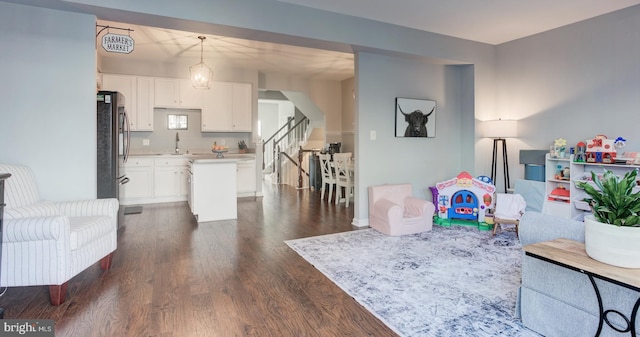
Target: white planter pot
x=617, y=246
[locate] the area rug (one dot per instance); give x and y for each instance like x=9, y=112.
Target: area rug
x=452, y=281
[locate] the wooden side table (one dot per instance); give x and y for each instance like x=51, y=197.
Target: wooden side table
x=572, y=255
x=3, y=177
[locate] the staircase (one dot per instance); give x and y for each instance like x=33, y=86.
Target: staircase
x=288, y=138
x=286, y=153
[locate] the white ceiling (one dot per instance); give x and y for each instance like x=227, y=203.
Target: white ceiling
x=488, y=21
x=166, y=45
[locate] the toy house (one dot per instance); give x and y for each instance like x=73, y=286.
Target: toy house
x=601, y=150
x=464, y=198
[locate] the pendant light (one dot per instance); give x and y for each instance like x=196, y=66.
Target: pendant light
x=201, y=74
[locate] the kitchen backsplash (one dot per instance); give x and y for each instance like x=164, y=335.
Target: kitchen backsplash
x=163, y=140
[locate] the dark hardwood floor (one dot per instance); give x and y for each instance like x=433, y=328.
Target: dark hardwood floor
x=173, y=277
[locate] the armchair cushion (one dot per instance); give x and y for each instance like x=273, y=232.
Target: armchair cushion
x=42, y=208
x=86, y=229
x=414, y=207
x=386, y=210
x=34, y=229
x=21, y=188
x=94, y=207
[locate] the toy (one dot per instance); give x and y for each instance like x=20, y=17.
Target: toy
x=560, y=193
x=465, y=198
x=558, y=148
x=580, y=154
x=561, y=173
x=601, y=150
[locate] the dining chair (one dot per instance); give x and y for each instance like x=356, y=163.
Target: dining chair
x=328, y=175
x=344, y=177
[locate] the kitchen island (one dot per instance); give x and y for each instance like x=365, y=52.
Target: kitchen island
x=213, y=189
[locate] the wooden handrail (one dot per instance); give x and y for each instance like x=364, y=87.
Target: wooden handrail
x=269, y=152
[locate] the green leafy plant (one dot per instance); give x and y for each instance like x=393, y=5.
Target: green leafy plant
x=612, y=199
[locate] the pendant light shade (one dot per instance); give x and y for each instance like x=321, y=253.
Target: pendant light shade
x=200, y=73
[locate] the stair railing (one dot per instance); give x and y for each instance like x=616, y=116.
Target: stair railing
x=286, y=139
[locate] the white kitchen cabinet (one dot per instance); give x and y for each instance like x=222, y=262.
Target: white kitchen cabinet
x=125, y=84
x=166, y=182
x=184, y=181
x=176, y=93
x=246, y=178
x=227, y=107
x=138, y=98
x=144, y=112
x=169, y=179
x=140, y=185
x=242, y=107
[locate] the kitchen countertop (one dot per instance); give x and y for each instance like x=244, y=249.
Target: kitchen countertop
x=201, y=157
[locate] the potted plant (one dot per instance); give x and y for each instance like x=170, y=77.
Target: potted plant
x=612, y=232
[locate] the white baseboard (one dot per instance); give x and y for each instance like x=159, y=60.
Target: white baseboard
x=360, y=222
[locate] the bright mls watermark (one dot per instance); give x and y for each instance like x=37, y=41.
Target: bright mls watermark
x=27, y=327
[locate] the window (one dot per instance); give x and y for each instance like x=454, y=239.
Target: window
x=177, y=122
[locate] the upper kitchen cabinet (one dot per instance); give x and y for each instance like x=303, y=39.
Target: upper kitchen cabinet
x=226, y=107
x=138, y=98
x=126, y=85
x=144, y=113
x=176, y=93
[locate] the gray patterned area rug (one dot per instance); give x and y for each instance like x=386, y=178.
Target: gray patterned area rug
x=452, y=281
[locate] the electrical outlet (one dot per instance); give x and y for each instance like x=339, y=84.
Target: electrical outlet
x=372, y=135
x=222, y=142
x=145, y=142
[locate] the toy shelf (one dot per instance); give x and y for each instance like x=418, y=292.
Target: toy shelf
x=573, y=206
x=554, y=204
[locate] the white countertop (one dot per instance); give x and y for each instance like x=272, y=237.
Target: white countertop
x=217, y=160
x=201, y=157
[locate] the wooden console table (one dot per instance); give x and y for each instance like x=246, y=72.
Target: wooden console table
x=572, y=255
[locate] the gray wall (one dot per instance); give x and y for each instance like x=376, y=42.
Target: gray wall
x=574, y=82
x=348, y=122
x=48, y=85
x=419, y=161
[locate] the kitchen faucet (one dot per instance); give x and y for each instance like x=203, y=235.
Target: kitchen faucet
x=177, y=140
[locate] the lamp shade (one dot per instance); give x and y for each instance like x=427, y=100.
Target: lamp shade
x=200, y=73
x=200, y=76
x=501, y=129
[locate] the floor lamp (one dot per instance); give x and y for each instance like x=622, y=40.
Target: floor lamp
x=500, y=130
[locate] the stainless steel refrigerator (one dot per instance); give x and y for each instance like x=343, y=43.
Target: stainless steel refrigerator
x=113, y=143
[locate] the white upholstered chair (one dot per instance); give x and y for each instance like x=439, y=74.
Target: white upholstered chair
x=48, y=243
x=328, y=175
x=394, y=211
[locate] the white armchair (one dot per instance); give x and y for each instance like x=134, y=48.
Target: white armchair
x=394, y=211
x=48, y=243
